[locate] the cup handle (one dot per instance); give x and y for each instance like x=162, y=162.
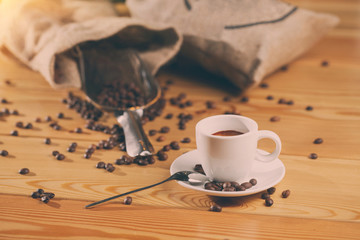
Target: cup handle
x=272, y=156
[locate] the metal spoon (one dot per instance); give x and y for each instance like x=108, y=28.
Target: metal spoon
x=196, y=178
x=98, y=66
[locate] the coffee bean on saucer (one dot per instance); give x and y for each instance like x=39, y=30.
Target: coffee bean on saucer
x=60, y=157
x=269, y=202
x=275, y=119
x=4, y=153
x=198, y=168
x=318, y=141
x=229, y=189
x=45, y=199
x=309, y=108
x=285, y=193
x=215, y=208
x=247, y=185
x=226, y=184
x=271, y=190
x=19, y=124
x=164, y=129
x=313, y=156
x=47, y=141
x=152, y=132
x=240, y=188
x=265, y=195
x=128, y=200
x=253, y=181
x=174, y=145
x=14, y=133
x=186, y=140
x=24, y=171
x=160, y=139
x=169, y=116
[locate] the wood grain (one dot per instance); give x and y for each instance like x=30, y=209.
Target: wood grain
x=324, y=192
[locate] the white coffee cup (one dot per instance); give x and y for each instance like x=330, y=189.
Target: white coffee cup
x=230, y=158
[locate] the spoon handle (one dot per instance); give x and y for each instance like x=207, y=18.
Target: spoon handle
x=123, y=194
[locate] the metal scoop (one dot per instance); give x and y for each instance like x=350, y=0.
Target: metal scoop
x=103, y=66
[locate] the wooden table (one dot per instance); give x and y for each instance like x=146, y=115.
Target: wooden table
x=324, y=201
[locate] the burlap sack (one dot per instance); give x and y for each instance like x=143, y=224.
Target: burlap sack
x=42, y=34
x=243, y=40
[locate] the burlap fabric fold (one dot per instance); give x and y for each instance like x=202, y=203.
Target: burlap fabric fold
x=42, y=34
x=243, y=40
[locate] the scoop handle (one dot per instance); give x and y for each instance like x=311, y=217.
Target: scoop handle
x=137, y=143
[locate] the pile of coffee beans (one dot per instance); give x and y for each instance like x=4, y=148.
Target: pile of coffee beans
x=229, y=186
x=42, y=195
x=139, y=160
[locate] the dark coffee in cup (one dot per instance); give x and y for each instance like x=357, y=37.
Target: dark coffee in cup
x=227, y=133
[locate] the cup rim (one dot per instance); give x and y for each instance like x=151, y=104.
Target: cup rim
x=251, y=121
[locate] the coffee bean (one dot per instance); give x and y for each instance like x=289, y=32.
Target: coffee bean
x=47, y=141
x=244, y=99
x=160, y=139
x=152, y=132
x=309, y=108
x=38, y=120
x=215, y=208
x=162, y=156
x=151, y=159
x=5, y=111
x=60, y=157
x=198, y=168
x=271, y=190
x=24, y=171
x=275, y=119
x=54, y=153
x=227, y=99
x=284, y=68
x=169, y=116
x=324, y=63
x=15, y=112
x=4, y=153
x=142, y=162
x=270, y=97
x=3, y=100
x=174, y=145
x=290, y=102
x=313, y=156
x=7, y=82
x=109, y=167
x=128, y=200
x=50, y=195
x=169, y=82
x=226, y=184
x=265, y=195
x=247, y=185
x=269, y=202
x=281, y=101
x=263, y=85
x=70, y=149
x=14, y=133
x=78, y=130
x=210, y=104
x=181, y=96
x=240, y=188
x=60, y=115
x=318, y=141
x=188, y=103
x=186, y=140
x=229, y=189
x=73, y=145
x=57, y=127
x=253, y=181
x=166, y=148
x=235, y=184
x=48, y=119
x=40, y=191
x=182, y=127
x=285, y=193
x=164, y=129
x=35, y=195
x=28, y=126
x=45, y=199
x=87, y=155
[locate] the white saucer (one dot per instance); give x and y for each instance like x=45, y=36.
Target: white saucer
x=266, y=174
